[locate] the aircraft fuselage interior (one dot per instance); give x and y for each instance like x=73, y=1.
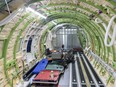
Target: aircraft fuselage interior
x=57, y=43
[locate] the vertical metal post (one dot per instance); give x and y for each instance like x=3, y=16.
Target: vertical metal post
x=115, y=82
x=63, y=36
x=7, y=6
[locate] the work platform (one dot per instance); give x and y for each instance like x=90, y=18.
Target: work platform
x=78, y=73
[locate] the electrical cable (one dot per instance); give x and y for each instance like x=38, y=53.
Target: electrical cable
x=107, y=28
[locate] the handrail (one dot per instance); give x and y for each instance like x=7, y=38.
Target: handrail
x=10, y=17
x=107, y=28
x=105, y=65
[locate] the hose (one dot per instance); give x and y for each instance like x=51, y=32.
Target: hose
x=107, y=28
x=107, y=33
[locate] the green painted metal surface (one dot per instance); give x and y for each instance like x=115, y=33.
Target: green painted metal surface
x=54, y=67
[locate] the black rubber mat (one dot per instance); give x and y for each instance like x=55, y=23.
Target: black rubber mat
x=74, y=85
x=87, y=71
x=93, y=71
x=74, y=79
x=80, y=71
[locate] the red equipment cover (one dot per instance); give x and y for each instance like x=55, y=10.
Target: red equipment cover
x=48, y=75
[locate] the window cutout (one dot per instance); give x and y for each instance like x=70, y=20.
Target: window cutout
x=29, y=45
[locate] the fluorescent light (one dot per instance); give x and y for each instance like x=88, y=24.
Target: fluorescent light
x=35, y=12
x=54, y=22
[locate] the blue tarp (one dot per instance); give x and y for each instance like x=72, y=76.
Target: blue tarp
x=40, y=66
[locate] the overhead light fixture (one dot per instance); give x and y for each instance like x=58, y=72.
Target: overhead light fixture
x=35, y=12
x=54, y=22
